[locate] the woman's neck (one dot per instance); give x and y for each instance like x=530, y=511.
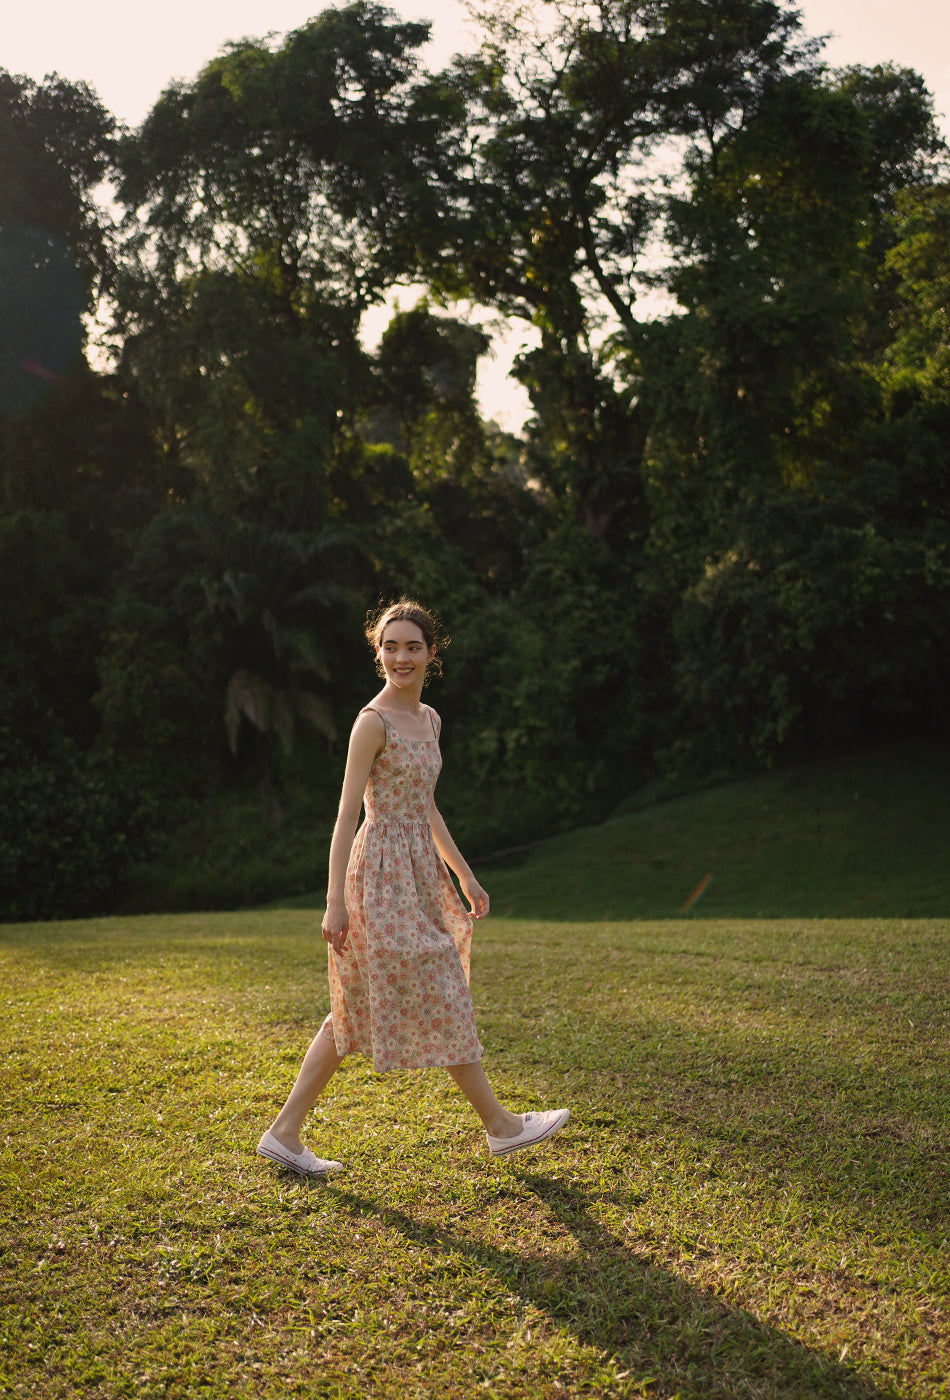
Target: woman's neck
x=409, y=700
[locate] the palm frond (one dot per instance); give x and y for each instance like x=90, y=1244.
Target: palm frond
x=317, y=712
x=252, y=697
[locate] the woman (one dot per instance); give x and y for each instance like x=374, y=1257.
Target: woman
x=399, y=936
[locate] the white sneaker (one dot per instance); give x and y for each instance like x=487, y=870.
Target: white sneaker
x=537, y=1127
x=303, y=1163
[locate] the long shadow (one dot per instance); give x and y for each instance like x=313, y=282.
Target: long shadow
x=822, y=1124
x=681, y=1338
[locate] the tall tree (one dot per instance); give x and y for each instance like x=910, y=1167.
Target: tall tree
x=774, y=501
x=270, y=202
x=58, y=146
x=282, y=193
x=576, y=120
x=69, y=445
x=55, y=250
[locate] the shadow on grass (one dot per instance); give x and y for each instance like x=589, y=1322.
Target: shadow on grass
x=658, y=1328
x=859, y=1126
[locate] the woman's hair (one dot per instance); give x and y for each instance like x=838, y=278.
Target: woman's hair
x=406, y=610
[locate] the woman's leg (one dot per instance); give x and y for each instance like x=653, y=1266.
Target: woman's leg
x=474, y=1084
x=320, y=1064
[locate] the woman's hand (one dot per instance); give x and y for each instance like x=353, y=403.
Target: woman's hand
x=336, y=927
x=476, y=896
x=452, y=856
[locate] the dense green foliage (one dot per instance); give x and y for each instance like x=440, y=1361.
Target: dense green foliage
x=67, y=830
x=722, y=538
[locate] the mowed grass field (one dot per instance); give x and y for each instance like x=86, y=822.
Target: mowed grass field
x=751, y=1198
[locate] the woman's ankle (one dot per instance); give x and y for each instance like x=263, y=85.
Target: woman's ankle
x=287, y=1134
x=504, y=1124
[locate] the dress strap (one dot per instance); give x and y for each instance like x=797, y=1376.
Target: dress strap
x=436, y=727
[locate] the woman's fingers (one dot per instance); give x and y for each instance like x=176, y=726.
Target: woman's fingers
x=336, y=936
x=478, y=899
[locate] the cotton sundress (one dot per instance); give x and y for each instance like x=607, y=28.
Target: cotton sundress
x=399, y=992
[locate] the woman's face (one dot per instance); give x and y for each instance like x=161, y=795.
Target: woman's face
x=404, y=655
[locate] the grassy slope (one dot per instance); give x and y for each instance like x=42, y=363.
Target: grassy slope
x=867, y=834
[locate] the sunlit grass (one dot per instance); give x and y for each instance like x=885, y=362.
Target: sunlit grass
x=750, y=1200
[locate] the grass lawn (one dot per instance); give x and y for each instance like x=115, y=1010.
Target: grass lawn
x=852, y=836
x=751, y=1199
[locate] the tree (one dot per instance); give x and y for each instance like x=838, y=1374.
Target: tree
x=796, y=597
x=768, y=250
x=574, y=120
x=58, y=146
x=282, y=193
x=464, y=474
x=916, y=364
x=55, y=255
x=70, y=445
x=270, y=202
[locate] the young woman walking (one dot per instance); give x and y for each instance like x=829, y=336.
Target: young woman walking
x=399, y=936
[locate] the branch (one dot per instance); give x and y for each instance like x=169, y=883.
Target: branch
x=609, y=291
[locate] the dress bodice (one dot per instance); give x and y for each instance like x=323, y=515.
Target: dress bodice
x=402, y=778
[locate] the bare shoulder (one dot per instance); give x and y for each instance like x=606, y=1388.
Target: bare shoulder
x=371, y=716
x=369, y=729
x=367, y=739
x=436, y=719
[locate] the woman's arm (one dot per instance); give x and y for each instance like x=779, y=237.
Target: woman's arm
x=454, y=859
x=367, y=738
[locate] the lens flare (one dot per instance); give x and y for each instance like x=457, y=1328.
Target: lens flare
x=697, y=893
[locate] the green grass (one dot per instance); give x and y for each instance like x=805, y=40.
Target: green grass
x=848, y=837
x=751, y=1199
x=864, y=834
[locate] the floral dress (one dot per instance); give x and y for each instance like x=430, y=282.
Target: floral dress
x=399, y=992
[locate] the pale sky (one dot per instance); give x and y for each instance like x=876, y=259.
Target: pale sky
x=129, y=52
